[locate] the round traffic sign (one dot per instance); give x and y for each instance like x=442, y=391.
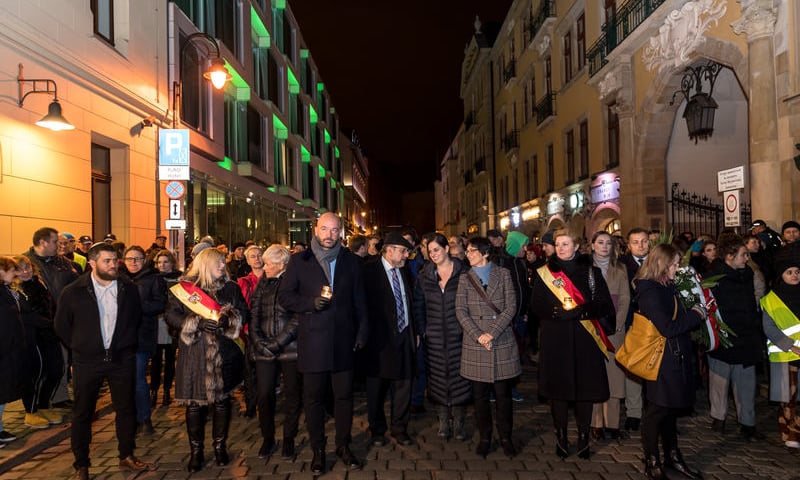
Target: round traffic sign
x=175, y=190
x=731, y=203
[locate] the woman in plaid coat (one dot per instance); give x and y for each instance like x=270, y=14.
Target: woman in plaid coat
x=489, y=355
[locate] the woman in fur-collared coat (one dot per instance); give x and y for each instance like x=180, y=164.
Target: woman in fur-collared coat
x=210, y=364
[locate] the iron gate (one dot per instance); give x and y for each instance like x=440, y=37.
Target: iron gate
x=699, y=214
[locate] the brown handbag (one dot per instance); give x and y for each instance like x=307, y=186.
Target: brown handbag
x=643, y=349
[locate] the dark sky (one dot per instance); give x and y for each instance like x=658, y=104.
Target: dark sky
x=393, y=71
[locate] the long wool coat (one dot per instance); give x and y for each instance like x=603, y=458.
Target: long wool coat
x=477, y=317
x=617, y=280
x=571, y=365
x=435, y=314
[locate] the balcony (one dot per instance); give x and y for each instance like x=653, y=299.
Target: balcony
x=546, y=108
x=547, y=10
x=511, y=141
x=469, y=120
x=480, y=165
x=510, y=71
x=617, y=29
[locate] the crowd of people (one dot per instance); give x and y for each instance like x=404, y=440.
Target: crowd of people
x=450, y=320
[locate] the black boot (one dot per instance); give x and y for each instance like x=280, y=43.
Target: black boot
x=153, y=398
x=674, y=460
x=653, y=469
x=167, y=399
x=583, y=445
x=196, y=428
x=219, y=430
x=318, y=462
x=508, y=447
x=483, y=447
x=562, y=445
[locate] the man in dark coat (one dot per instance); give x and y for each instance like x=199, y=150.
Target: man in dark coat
x=390, y=355
x=98, y=318
x=323, y=288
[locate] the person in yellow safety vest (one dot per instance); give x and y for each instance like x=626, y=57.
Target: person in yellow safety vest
x=781, y=322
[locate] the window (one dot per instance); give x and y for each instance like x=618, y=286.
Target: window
x=580, y=34
x=548, y=76
x=260, y=69
x=515, y=180
x=255, y=137
x=569, y=154
x=526, y=108
x=613, y=136
x=195, y=91
x=217, y=18
x=309, y=180
x=551, y=171
x=235, y=129
x=584, y=149
x=527, y=170
x=103, y=13
x=281, y=156
x=568, y=56
x=101, y=190
x=273, y=82
x=535, y=176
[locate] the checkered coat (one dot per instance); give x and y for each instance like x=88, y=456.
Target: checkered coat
x=477, y=317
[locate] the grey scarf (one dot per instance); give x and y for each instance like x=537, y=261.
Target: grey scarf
x=325, y=257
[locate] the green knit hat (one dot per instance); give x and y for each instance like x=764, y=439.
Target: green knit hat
x=515, y=241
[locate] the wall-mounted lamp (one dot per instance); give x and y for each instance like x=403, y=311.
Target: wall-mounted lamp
x=54, y=120
x=216, y=73
x=700, y=107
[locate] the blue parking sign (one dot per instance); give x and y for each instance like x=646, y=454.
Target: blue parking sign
x=173, y=146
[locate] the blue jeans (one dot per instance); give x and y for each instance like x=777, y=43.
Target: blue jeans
x=2, y=408
x=142, y=389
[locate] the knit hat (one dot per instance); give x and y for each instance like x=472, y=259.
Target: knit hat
x=515, y=241
x=786, y=258
x=548, y=238
x=790, y=224
x=199, y=248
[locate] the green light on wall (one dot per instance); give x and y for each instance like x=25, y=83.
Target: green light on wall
x=272, y=189
x=327, y=136
x=336, y=151
x=303, y=53
x=241, y=87
x=279, y=4
x=259, y=29
x=227, y=164
x=305, y=155
x=320, y=86
x=279, y=129
x=321, y=171
x=333, y=184
x=312, y=114
x=294, y=85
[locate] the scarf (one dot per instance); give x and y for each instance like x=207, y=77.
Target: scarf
x=790, y=294
x=325, y=257
x=602, y=264
x=483, y=273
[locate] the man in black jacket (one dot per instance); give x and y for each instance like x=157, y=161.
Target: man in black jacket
x=98, y=317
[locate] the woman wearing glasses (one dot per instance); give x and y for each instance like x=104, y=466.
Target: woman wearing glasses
x=485, y=305
x=153, y=294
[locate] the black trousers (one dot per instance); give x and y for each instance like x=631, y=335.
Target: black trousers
x=483, y=408
x=52, y=367
x=400, y=404
x=267, y=374
x=315, y=387
x=559, y=409
x=86, y=381
x=659, y=420
x=167, y=353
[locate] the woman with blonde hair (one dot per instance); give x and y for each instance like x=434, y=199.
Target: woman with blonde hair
x=673, y=390
x=209, y=310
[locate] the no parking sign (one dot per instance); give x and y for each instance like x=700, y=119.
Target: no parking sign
x=732, y=210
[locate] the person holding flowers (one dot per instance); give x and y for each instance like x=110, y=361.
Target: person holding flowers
x=781, y=323
x=572, y=302
x=672, y=392
x=735, y=364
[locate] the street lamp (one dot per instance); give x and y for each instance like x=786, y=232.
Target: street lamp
x=216, y=73
x=700, y=107
x=53, y=120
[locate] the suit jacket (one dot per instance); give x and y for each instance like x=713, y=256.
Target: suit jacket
x=77, y=321
x=632, y=266
x=389, y=353
x=326, y=339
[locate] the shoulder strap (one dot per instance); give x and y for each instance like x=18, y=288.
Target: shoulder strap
x=482, y=293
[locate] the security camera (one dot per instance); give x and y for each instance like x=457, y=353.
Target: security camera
x=149, y=121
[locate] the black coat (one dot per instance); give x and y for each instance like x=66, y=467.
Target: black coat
x=153, y=294
x=674, y=387
x=77, y=321
x=571, y=365
x=12, y=347
x=270, y=322
x=737, y=305
x=56, y=272
x=436, y=322
x=326, y=339
x=388, y=353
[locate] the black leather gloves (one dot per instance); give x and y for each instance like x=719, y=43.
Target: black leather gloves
x=224, y=322
x=568, y=315
x=208, y=326
x=321, y=303
x=358, y=346
x=270, y=347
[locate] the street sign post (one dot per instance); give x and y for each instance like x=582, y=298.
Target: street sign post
x=730, y=179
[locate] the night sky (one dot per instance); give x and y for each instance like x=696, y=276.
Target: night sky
x=393, y=71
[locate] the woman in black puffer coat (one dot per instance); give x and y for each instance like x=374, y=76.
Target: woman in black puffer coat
x=273, y=331
x=435, y=316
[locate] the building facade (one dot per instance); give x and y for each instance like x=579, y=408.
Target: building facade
x=590, y=100
x=263, y=150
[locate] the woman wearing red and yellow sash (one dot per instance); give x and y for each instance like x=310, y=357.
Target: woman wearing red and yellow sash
x=571, y=300
x=209, y=310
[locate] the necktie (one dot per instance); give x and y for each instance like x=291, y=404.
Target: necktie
x=640, y=260
x=398, y=301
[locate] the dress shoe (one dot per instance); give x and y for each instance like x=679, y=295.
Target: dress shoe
x=617, y=434
x=81, y=473
x=6, y=436
x=134, y=464
x=287, y=449
x=584, y=451
x=674, y=460
x=597, y=434
x=750, y=433
x=267, y=448
x=718, y=425
x=347, y=457
x=653, y=469
x=483, y=448
x=318, y=462
x=632, y=424
x=562, y=445
x=378, y=440
x=402, y=438
x=508, y=447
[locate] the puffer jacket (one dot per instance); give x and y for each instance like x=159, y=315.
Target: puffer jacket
x=273, y=330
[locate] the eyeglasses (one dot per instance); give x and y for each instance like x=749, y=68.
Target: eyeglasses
x=470, y=250
x=134, y=259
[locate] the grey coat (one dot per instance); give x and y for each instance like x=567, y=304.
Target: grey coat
x=477, y=317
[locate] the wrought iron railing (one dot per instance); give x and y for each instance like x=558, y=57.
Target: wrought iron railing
x=546, y=10
x=696, y=213
x=546, y=108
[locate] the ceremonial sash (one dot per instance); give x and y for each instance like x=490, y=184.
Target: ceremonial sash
x=196, y=300
x=562, y=287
